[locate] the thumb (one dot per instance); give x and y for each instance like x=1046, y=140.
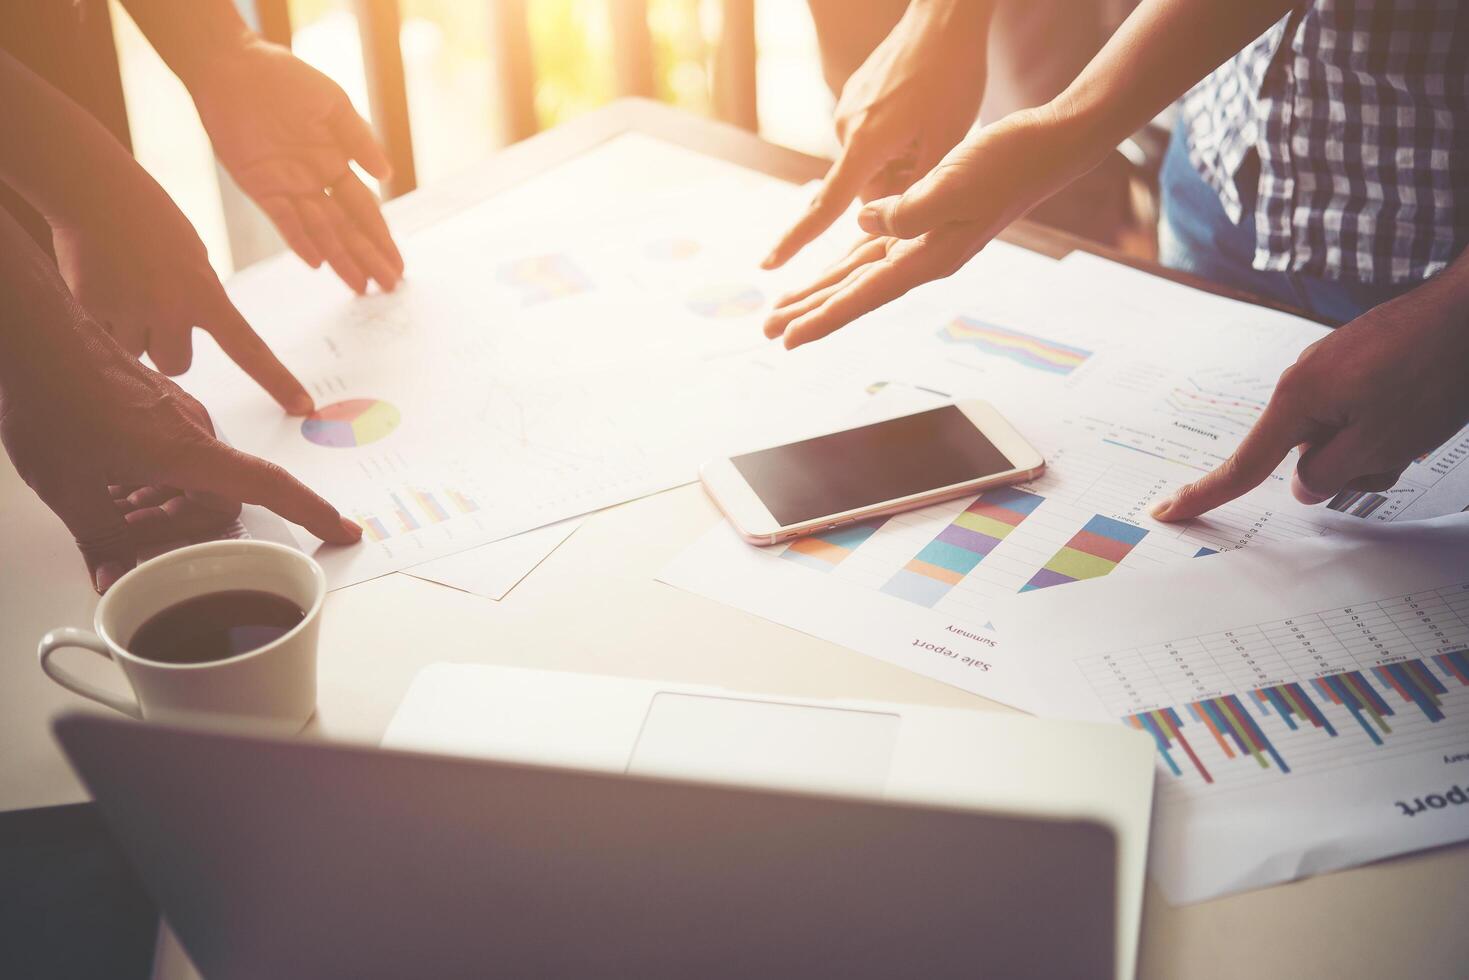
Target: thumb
x=921, y=208
x=88, y=511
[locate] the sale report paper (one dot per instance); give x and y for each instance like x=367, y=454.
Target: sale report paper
x=1131, y=387
x=1309, y=701
x=559, y=348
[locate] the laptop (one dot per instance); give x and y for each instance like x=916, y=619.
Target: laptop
x=299, y=858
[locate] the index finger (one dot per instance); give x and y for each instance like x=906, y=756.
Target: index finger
x=839, y=187
x=244, y=346
x=226, y=471
x=1282, y=427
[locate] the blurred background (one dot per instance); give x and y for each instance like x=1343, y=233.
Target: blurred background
x=446, y=82
x=457, y=114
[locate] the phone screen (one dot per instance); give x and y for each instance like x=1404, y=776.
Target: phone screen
x=870, y=465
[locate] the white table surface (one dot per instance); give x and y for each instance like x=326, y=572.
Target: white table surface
x=593, y=606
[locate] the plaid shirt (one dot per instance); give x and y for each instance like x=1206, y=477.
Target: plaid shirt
x=1352, y=119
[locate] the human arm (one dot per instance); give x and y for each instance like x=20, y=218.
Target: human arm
x=284, y=131
x=1363, y=402
x=120, y=453
x=1001, y=171
x=914, y=97
x=127, y=253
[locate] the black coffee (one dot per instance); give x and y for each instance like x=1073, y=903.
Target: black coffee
x=215, y=626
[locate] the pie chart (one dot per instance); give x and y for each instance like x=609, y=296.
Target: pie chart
x=672, y=249
x=354, y=422
x=725, y=300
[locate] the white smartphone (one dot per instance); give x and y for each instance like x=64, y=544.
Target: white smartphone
x=777, y=494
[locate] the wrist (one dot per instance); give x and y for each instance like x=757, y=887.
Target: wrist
x=225, y=46
x=958, y=20
x=1080, y=129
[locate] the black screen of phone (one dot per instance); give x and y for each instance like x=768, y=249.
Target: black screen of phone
x=869, y=465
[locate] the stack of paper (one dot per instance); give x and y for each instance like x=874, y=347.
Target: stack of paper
x=1131, y=386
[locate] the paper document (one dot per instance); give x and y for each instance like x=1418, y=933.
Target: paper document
x=1129, y=391
x=1309, y=702
x=529, y=372
x=492, y=570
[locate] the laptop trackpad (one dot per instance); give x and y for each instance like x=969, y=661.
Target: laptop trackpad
x=766, y=743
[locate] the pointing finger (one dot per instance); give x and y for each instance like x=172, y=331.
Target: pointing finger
x=234, y=475
x=1281, y=428
x=855, y=167
x=244, y=346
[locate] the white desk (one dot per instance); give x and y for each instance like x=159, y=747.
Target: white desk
x=594, y=606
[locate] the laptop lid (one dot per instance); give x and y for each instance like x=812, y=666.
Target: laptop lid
x=296, y=858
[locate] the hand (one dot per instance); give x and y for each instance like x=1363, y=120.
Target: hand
x=996, y=175
x=914, y=97
x=288, y=134
x=138, y=267
x=1362, y=402
x=126, y=458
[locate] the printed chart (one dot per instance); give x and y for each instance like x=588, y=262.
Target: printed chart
x=1435, y=482
x=725, y=300
x=672, y=249
x=1084, y=518
x=413, y=508
x=1316, y=720
x=351, y=423
x=540, y=278
x=1024, y=349
x=1219, y=400
x=1307, y=693
x=531, y=373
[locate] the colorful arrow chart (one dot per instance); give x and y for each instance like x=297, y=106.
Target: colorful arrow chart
x=1022, y=348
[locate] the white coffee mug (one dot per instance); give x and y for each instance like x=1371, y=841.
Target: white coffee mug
x=271, y=688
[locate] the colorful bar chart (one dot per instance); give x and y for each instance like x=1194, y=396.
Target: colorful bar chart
x=962, y=545
x=412, y=508
x=430, y=505
x=1022, y=348
x=828, y=549
x=1358, y=503
x=373, y=527
x=724, y=300
x=1364, y=694
x=406, y=520
x=1092, y=552
x=462, y=503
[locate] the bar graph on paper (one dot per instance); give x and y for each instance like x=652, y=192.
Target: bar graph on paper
x=1436, y=482
x=408, y=509
x=1083, y=519
x=1309, y=694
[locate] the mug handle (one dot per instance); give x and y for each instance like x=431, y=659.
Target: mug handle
x=82, y=640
